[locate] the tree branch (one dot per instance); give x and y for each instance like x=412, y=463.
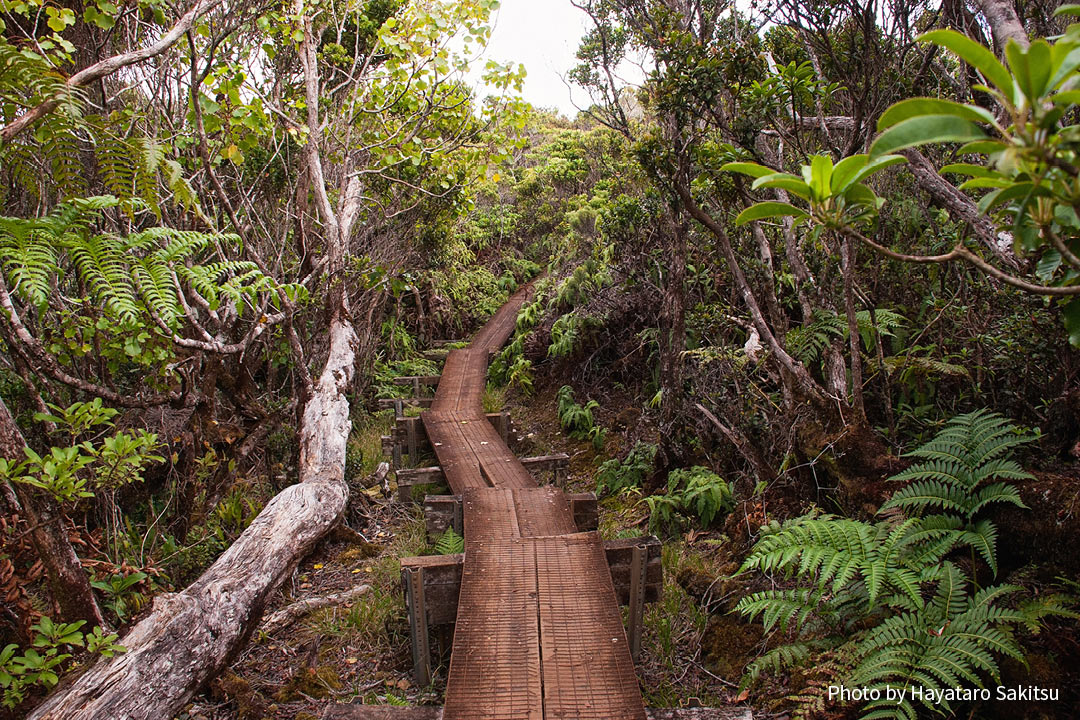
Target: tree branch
x=107, y=67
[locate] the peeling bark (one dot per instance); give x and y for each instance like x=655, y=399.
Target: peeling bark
x=1004, y=23
x=290, y=614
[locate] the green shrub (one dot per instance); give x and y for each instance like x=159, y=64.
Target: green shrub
x=41, y=664
x=694, y=492
x=616, y=475
x=577, y=420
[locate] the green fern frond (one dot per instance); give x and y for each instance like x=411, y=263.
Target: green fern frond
x=450, y=543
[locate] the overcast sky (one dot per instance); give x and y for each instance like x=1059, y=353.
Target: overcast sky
x=543, y=35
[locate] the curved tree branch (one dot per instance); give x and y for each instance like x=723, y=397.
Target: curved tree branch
x=107, y=67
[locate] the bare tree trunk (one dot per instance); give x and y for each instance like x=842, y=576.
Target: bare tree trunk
x=1004, y=23
x=847, y=267
x=188, y=637
x=68, y=581
x=672, y=345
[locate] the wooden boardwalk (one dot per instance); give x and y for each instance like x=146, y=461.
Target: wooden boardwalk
x=539, y=634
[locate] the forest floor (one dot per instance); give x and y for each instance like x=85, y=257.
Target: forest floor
x=360, y=652
x=694, y=649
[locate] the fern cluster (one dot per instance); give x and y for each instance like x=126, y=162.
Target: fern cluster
x=616, y=475
x=449, y=543
x=809, y=341
x=887, y=597
x=577, y=420
x=586, y=280
x=691, y=492
x=127, y=276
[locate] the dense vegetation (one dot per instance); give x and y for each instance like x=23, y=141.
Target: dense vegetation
x=804, y=304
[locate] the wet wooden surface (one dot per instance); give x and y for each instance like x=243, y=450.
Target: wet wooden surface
x=538, y=633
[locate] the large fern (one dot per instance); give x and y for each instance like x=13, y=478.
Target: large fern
x=960, y=473
x=886, y=595
x=809, y=341
x=128, y=277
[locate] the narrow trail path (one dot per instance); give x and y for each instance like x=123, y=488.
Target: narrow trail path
x=539, y=635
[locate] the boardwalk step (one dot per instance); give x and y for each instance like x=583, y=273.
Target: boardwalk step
x=386, y=712
x=442, y=576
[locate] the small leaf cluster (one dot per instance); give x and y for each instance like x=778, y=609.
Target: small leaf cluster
x=577, y=420
x=691, y=492
x=41, y=664
x=73, y=471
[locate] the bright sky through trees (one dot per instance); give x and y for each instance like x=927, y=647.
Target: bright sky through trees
x=543, y=35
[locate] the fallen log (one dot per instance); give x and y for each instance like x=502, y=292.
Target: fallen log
x=289, y=614
x=190, y=636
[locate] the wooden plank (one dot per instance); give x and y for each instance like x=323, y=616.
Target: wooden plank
x=389, y=712
x=442, y=512
x=586, y=511
x=431, y=380
x=495, y=669
x=442, y=577
x=442, y=585
x=408, y=402
x=587, y=675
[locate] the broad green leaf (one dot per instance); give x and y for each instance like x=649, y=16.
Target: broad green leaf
x=874, y=166
x=987, y=181
x=916, y=107
x=968, y=169
x=766, y=210
x=924, y=130
x=784, y=181
x=1067, y=10
x=1070, y=313
x=1018, y=190
x=862, y=195
x=1031, y=68
x=821, y=168
x=1066, y=97
x=1065, y=58
x=981, y=147
x=792, y=184
x=976, y=55
x=845, y=170
x=748, y=168
x=1048, y=265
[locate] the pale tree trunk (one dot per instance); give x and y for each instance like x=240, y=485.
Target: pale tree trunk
x=1004, y=23
x=189, y=637
x=847, y=267
x=68, y=582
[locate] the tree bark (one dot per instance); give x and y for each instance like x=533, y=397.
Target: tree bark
x=672, y=345
x=847, y=267
x=1004, y=23
x=68, y=581
x=291, y=613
